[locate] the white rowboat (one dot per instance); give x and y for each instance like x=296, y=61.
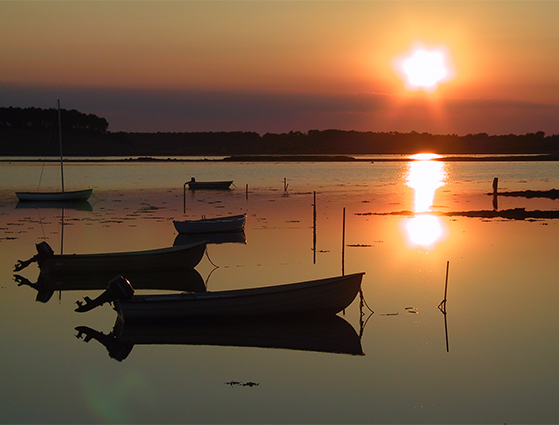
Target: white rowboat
x=324, y=296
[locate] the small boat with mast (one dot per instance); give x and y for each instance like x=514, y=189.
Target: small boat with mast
x=55, y=196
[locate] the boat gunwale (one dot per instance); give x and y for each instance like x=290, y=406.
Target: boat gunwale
x=227, y=219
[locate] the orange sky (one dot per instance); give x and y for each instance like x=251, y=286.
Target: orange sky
x=274, y=66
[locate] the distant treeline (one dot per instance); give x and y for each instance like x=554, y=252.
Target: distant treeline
x=338, y=142
x=29, y=131
x=40, y=119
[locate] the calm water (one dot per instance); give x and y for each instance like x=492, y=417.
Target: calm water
x=491, y=359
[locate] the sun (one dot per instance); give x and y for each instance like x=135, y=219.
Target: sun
x=424, y=69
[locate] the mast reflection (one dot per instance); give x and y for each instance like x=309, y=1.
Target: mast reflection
x=425, y=176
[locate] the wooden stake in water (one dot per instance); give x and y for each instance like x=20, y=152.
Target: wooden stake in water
x=314, y=228
x=442, y=305
x=184, y=198
x=495, y=193
x=60, y=143
x=343, y=242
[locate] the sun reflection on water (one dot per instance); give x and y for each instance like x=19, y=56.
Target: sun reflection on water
x=425, y=176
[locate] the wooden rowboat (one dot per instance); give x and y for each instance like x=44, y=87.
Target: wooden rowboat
x=323, y=296
x=64, y=196
x=233, y=223
x=327, y=334
x=315, y=297
x=179, y=257
x=209, y=185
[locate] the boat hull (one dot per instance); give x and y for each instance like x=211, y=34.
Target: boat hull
x=323, y=296
x=75, y=196
x=235, y=223
x=180, y=257
x=210, y=185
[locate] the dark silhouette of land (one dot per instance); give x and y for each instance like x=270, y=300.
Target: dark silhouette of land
x=33, y=132
x=509, y=214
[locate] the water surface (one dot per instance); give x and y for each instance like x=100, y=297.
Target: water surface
x=499, y=364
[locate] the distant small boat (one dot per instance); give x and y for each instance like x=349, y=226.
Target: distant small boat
x=324, y=296
x=327, y=334
x=233, y=223
x=179, y=257
x=63, y=195
x=74, y=196
x=209, y=185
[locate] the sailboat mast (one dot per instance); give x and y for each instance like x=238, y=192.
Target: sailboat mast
x=60, y=142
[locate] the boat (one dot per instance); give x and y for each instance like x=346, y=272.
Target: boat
x=211, y=238
x=63, y=195
x=232, y=223
x=314, y=297
x=73, y=196
x=328, y=334
x=188, y=280
x=172, y=258
x=209, y=185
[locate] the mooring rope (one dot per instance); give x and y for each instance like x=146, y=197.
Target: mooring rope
x=209, y=259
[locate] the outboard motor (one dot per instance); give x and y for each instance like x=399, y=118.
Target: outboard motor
x=43, y=251
x=118, y=288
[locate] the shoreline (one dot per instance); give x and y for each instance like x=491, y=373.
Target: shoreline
x=294, y=158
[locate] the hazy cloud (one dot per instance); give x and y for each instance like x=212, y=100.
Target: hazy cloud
x=146, y=110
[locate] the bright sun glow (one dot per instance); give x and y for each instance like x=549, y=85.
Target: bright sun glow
x=425, y=69
x=424, y=230
x=425, y=156
x=425, y=177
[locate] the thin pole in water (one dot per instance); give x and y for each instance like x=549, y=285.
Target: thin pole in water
x=495, y=193
x=60, y=143
x=442, y=305
x=184, y=198
x=343, y=242
x=314, y=228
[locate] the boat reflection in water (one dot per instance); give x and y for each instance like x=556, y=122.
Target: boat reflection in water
x=70, y=205
x=188, y=280
x=173, y=258
x=210, y=238
x=425, y=176
x=328, y=334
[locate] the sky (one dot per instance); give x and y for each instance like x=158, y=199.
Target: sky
x=280, y=66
